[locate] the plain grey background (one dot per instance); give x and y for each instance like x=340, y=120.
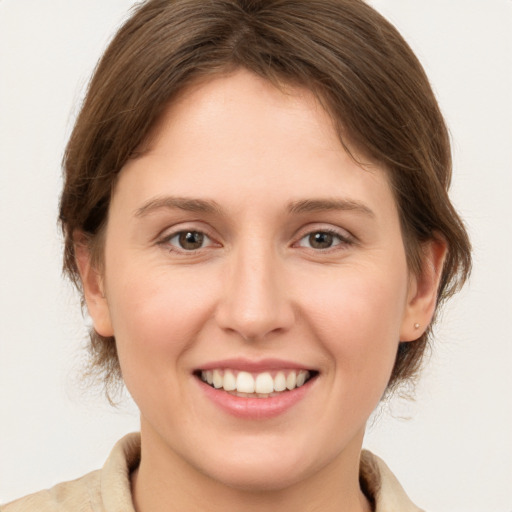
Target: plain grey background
x=451, y=448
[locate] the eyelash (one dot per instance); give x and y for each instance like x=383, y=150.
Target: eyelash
x=342, y=240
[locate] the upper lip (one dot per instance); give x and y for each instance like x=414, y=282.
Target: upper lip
x=254, y=366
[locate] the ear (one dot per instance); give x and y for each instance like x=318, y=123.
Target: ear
x=422, y=293
x=93, y=286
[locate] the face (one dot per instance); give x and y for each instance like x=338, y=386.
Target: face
x=247, y=249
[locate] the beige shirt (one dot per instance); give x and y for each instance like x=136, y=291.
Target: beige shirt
x=108, y=489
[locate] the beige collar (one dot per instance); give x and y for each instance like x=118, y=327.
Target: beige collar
x=377, y=480
x=382, y=487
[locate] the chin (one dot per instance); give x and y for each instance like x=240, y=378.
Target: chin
x=256, y=476
x=261, y=466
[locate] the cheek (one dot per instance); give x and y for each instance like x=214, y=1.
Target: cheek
x=156, y=315
x=358, y=318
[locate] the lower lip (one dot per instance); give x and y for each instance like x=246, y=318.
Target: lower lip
x=255, y=408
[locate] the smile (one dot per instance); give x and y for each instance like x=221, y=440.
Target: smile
x=255, y=385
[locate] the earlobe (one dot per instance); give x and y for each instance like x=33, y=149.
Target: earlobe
x=93, y=287
x=423, y=288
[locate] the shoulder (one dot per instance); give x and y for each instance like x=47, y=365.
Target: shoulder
x=104, y=490
x=81, y=495
x=383, y=488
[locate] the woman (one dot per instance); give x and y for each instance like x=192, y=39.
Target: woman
x=256, y=211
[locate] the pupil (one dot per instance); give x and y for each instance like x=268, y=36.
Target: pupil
x=320, y=240
x=191, y=240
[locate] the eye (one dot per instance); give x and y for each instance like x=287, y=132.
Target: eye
x=322, y=240
x=188, y=240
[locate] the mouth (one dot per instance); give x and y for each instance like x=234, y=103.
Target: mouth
x=266, y=384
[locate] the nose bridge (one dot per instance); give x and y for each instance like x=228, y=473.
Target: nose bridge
x=255, y=301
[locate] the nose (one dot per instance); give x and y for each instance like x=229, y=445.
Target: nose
x=255, y=301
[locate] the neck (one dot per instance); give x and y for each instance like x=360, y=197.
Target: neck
x=165, y=480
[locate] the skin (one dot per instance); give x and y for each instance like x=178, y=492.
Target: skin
x=257, y=288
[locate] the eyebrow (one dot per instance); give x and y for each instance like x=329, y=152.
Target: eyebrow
x=319, y=205
x=180, y=203
x=212, y=207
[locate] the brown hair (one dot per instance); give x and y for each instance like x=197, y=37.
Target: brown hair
x=356, y=62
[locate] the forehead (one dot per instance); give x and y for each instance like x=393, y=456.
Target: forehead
x=245, y=101
x=240, y=131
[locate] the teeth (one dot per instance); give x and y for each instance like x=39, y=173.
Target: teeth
x=264, y=383
x=280, y=382
x=301, y=378
x=291, y=380
x=261, y=385
x=245, y=382
x=218, y=381
x=229, y=381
